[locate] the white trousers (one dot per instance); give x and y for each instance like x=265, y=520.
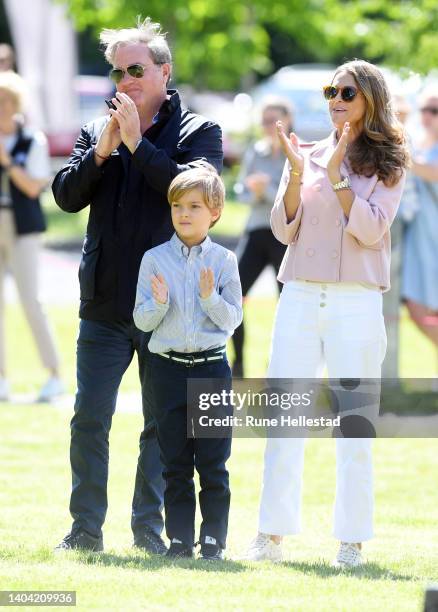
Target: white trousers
x=21, y=255
x=339, y=325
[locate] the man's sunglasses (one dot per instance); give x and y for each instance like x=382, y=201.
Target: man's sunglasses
x=348, y=93
x=135, y=70
x=432, y=110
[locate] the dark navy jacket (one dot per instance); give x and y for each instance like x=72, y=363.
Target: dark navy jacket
x=28, y=215
x=129, y=212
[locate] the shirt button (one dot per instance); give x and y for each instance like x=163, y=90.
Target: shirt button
x=335, y=254
x=317, y=187
x=314, y=220
x=310, y=252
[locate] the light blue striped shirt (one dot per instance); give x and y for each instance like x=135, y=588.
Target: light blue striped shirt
x=188, y=323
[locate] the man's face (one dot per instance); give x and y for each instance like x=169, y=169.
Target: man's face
x=150, y=90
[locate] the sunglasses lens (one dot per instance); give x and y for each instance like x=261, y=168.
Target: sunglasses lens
x=348, y=94
x=116, y=75
x=330, y=92
x=136, y=71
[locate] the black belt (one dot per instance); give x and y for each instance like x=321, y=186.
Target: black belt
x=192, y=359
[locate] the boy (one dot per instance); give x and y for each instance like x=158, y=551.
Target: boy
x=189, y=294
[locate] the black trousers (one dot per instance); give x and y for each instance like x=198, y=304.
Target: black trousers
x=259, y=249
x=104, y=352
x=181, y=454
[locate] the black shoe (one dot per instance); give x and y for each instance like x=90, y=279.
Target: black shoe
x=81, y=540
x=178, y=550
x=150, y=542
x=210, y=550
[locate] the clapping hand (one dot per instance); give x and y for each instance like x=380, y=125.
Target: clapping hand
x=334, y=164
x=159, y=288
x=206, y=282
x=290, y=148
x=128, y=119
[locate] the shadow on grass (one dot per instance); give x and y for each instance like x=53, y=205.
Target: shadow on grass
x=156, y=563
x=368, y=571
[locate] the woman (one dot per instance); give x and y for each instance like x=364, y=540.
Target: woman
x=24, y=172
x=257, y=185
x=420, y=262
x=334, y=208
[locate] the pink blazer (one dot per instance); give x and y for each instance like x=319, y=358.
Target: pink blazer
x=325, y=246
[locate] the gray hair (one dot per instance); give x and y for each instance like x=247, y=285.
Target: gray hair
x=146, y=32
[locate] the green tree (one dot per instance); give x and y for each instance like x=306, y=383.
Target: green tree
x=218, y=43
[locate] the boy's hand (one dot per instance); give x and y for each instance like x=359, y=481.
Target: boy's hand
x=159, y=288
x=206, y=282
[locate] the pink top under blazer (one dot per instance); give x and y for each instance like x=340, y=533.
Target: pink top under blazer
x=325, y=246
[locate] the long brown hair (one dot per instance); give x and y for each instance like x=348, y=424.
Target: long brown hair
x=381, y=147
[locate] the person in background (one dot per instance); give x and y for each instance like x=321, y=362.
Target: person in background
x=391, y=299
x=420, y=260
x=24, y=173
x=7, y=57
x=257, y=185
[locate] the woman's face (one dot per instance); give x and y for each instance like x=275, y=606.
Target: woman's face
x=429, y=114
x=8, y=107
x=341, y=111
x=270, y=117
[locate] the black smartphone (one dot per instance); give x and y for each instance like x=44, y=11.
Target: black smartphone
x=110, y=104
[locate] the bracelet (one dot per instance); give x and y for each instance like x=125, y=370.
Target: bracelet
x=292, y=171
x=101, y=156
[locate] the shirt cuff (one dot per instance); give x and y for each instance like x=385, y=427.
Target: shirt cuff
x=211, y=300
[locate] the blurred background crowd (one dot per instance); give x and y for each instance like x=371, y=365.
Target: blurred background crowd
x=244, y=66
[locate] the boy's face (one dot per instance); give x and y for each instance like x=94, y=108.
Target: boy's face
x=191, y=217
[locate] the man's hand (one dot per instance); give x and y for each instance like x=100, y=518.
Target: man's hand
x=206, y=282
x=334, y=164
x=257, y=183
x=109, y=140
x=159, y=288
x=127, y=117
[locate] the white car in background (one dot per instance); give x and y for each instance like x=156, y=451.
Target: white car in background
x=302, y=85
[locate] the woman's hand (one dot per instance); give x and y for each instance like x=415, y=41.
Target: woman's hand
x=159, y=288
x=206, y=282
x=290, y=148
x=5, y=159
x=334, y=164
x=127, y=117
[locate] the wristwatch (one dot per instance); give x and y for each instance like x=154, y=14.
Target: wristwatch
x=344, y=184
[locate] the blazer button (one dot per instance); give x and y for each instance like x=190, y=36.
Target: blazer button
x=317, y=187
x=335, y=254
x=314, y=220
x=310, y=252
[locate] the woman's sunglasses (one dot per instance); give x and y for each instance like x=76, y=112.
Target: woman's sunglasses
x=348, y=93
x=431, y=110
x=135, y=70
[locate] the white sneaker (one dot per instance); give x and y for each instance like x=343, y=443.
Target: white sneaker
x=51, y=389
x=4, y=390
x=349, y=555
x=262, y=548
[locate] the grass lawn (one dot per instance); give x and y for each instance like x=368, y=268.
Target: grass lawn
x=35, y=485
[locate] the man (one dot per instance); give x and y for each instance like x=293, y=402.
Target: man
x=121, y=167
